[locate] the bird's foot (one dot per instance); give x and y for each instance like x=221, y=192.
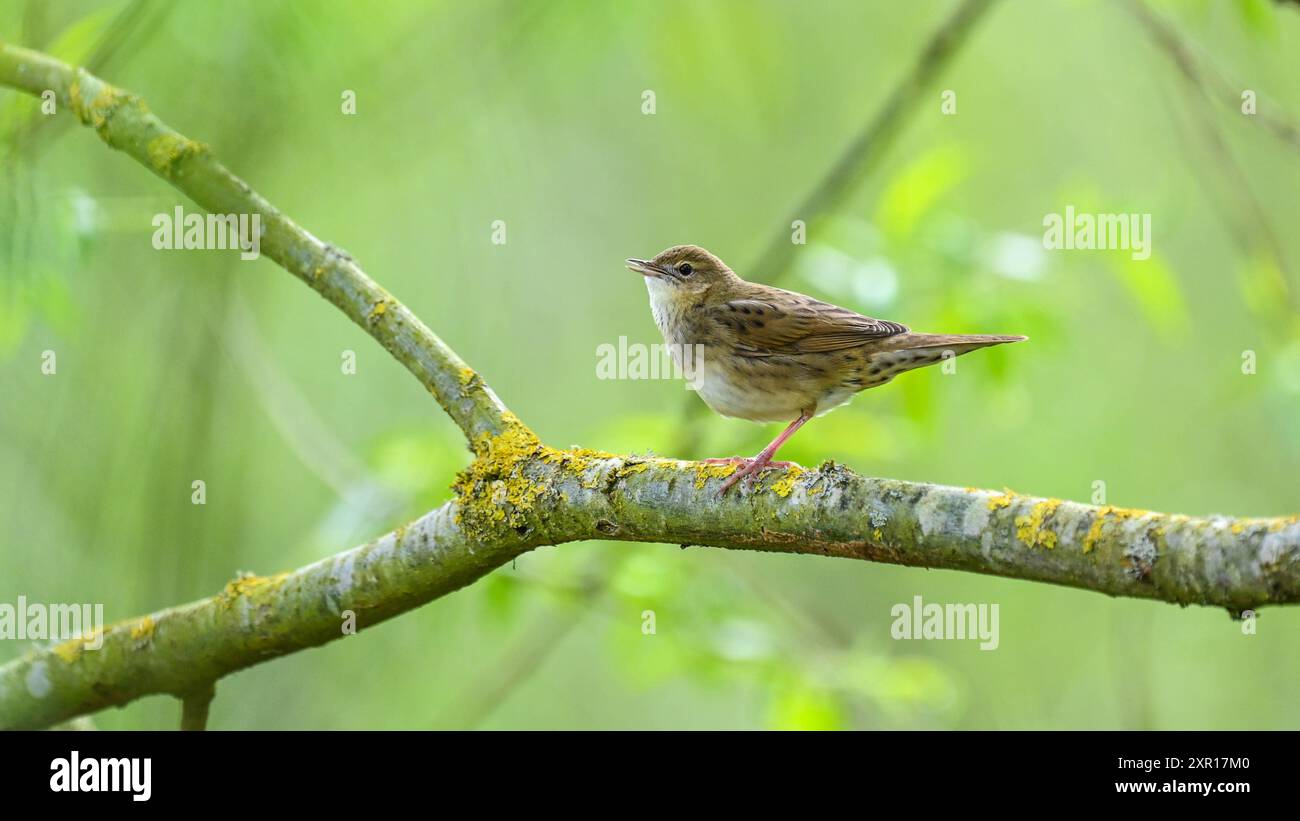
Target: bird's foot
x=749, y=470
x=744, y=460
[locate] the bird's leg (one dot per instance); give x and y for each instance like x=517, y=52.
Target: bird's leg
x=764, y=458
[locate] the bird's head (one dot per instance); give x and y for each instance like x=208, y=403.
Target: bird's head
x=684, y=274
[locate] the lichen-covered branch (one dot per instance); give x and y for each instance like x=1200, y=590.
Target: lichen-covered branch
x=125, y=123
x=1238, y=564
x=181, y=650
x=518, y=494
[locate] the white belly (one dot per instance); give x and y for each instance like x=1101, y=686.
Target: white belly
x=721, y=392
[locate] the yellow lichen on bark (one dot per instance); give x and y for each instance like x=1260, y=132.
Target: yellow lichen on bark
x=705, y=471
x=783, y=486
x=496, y=479
x=1032, y=529
x=142, y=630
x=1108, y=515
x=245, y=585
x=1094, y=532
x=69, y=651
x=167, y=150
x=999, y=502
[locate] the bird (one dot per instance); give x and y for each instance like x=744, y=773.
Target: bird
x=771, y=355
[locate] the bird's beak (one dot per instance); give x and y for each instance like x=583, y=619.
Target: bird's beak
x=645, y=268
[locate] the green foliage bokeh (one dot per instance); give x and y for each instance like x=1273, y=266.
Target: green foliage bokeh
x=176, y=366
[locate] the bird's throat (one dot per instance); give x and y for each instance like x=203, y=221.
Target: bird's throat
x=668, y=305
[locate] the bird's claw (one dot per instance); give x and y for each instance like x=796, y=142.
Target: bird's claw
x=749, y=472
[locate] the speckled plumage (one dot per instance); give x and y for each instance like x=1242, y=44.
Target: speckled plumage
x=773, y=355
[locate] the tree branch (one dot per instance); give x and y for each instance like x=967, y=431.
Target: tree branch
x=183, y=649
x=522, y=495
x=518, y=494
x=124, y=122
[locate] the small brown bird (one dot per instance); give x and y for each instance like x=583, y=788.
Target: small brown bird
x=771, y=355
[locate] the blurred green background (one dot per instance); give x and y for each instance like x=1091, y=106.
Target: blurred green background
x=176, y=366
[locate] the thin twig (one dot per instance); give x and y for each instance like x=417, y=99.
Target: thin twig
x=1203, y=75
x=874, y=140
x=1252, y=231
x=194, y=707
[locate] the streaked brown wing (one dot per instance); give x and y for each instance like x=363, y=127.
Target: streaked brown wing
x=764, y=328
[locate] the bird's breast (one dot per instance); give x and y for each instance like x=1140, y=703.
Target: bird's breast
x=760, y=389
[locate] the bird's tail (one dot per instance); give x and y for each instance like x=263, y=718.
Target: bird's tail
x=909, y=351
x=957, y=343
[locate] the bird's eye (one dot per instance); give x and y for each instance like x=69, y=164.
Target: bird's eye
x=685, y=269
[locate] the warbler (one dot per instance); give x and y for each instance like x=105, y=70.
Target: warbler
x=771, y=355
